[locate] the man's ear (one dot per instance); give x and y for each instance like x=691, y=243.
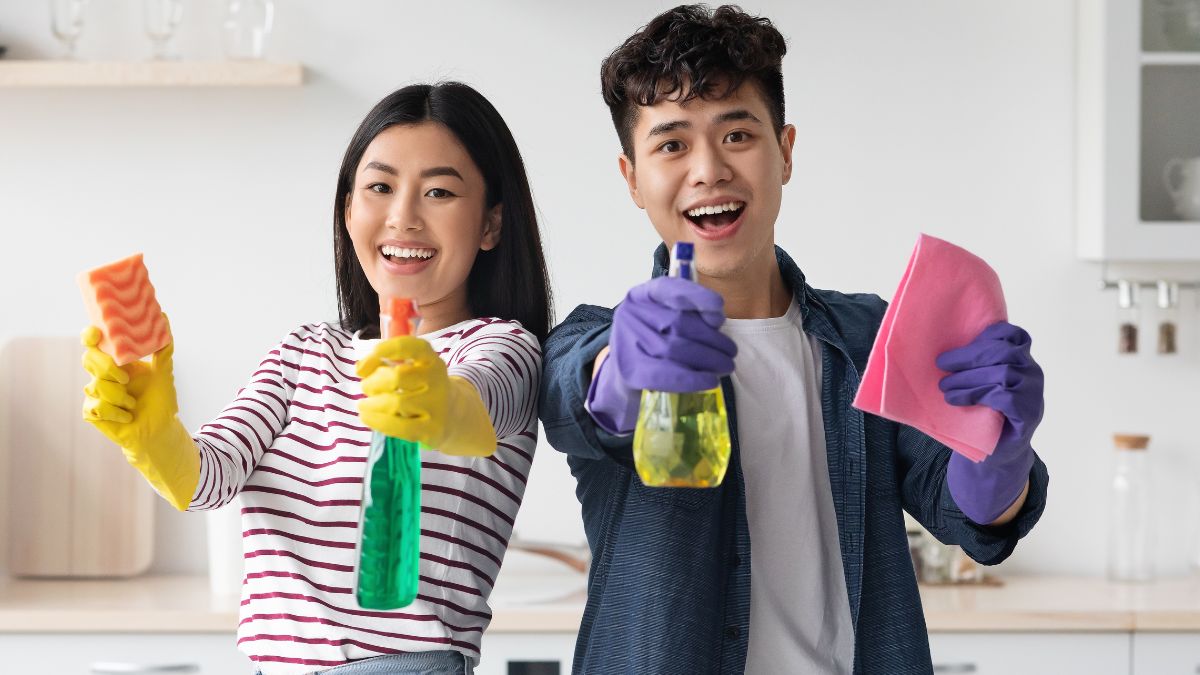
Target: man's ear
x=492, y=223
x=787, y=139
x=630, y=176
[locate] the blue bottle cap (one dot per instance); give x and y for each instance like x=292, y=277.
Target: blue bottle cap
x=681, y=260
x=683, y=250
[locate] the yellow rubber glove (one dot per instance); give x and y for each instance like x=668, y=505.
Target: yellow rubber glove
x=134, y=406
x=410, y=395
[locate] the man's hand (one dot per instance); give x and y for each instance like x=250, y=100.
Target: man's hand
x=665, y=337
x=996, y=370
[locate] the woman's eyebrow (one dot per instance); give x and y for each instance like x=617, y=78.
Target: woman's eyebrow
x=380, y=166
x=442, y=171
x=427, y=173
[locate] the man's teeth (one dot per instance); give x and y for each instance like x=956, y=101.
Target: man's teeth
x=719, y=208
x=399, y=252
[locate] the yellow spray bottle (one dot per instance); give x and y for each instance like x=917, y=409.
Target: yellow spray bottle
x=682, y=440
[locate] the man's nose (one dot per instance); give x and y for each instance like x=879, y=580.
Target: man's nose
x=709, y=166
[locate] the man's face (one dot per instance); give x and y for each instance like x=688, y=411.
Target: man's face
x=712, y=172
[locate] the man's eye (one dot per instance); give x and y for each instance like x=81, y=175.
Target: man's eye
x=381, y=188
x=737, y=137
x=439, y=193
x=670, y=147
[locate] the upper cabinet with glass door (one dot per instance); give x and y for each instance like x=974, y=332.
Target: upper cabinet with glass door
x=1138, y=126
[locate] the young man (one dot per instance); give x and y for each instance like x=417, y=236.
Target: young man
x=798, y=562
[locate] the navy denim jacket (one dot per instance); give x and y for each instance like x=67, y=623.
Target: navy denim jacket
x=669, y=587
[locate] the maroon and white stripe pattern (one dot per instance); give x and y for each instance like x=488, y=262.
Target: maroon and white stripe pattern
x=292, y=446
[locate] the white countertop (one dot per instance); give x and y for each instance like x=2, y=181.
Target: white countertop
x=554, y=603
x=543, y=603
x=1034, y=603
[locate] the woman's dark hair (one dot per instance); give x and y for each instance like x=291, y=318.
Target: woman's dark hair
x=687, y=52
x=510, y=281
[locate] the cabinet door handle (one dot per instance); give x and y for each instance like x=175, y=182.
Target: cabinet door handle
x=140, y=669
x=955, y=668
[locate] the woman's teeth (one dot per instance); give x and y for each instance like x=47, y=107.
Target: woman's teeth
x=401, y=252
x=712, y=210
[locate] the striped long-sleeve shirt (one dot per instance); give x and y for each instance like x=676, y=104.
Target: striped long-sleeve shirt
x=292, y=445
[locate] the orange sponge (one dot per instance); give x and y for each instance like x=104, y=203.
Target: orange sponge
x=120, y=302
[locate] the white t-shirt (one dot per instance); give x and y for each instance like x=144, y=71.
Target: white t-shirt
x=799, y=609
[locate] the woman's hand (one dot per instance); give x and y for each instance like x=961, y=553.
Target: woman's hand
x=406, y=386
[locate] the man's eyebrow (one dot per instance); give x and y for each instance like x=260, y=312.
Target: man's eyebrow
x=667, y=127
x=728, y=116
x=736, y=115
x=380, y=166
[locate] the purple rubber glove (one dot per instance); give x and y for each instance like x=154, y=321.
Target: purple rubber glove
x=664, y=337
x=995, y=370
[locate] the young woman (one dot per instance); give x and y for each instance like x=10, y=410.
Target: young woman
x=432, y=204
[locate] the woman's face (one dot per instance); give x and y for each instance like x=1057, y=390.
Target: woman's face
x=417, y=215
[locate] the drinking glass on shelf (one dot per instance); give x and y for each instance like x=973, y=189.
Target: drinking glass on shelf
x=162, y=18
x=246, y=27
x=66, y=22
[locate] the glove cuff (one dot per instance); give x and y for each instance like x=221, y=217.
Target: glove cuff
x=612, y=404
x=469, y=430
x=983, y=491
x=170, y=462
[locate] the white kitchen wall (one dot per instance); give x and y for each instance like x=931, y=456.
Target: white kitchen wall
x=949, y=117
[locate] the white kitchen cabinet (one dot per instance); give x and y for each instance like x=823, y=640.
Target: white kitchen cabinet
x=526, y=654
x=1137, y=108
x=77, y=653
x=1030, y=653
x=1166, y=653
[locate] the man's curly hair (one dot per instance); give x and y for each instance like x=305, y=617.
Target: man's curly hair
x=691, y=52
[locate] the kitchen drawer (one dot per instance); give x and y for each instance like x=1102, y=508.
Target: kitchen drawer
x=75, y=653
x=526, y=654
x=1030, y=653
x=1166, y=653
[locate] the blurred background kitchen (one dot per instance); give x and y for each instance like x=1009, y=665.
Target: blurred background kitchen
x=1058, y=140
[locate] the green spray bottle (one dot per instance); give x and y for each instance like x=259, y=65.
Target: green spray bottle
x=389, y=547
x=682, y=440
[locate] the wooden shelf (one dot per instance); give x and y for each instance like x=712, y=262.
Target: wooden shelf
x=1171, y=58
x=150, y=74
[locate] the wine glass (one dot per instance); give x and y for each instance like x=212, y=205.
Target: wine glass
x=66, y=22
x=162, y=18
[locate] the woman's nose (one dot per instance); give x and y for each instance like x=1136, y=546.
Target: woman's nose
x=404, y=216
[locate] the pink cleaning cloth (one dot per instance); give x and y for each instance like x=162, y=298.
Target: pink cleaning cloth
x=946, y=298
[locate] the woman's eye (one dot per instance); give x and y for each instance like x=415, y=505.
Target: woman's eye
x=670, y=147
x=737, y=136
x=439, y=193
x=381, y=188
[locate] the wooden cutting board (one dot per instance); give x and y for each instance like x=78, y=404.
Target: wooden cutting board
x=76, y=508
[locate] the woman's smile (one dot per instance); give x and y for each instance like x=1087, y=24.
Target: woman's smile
x=405, y=257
